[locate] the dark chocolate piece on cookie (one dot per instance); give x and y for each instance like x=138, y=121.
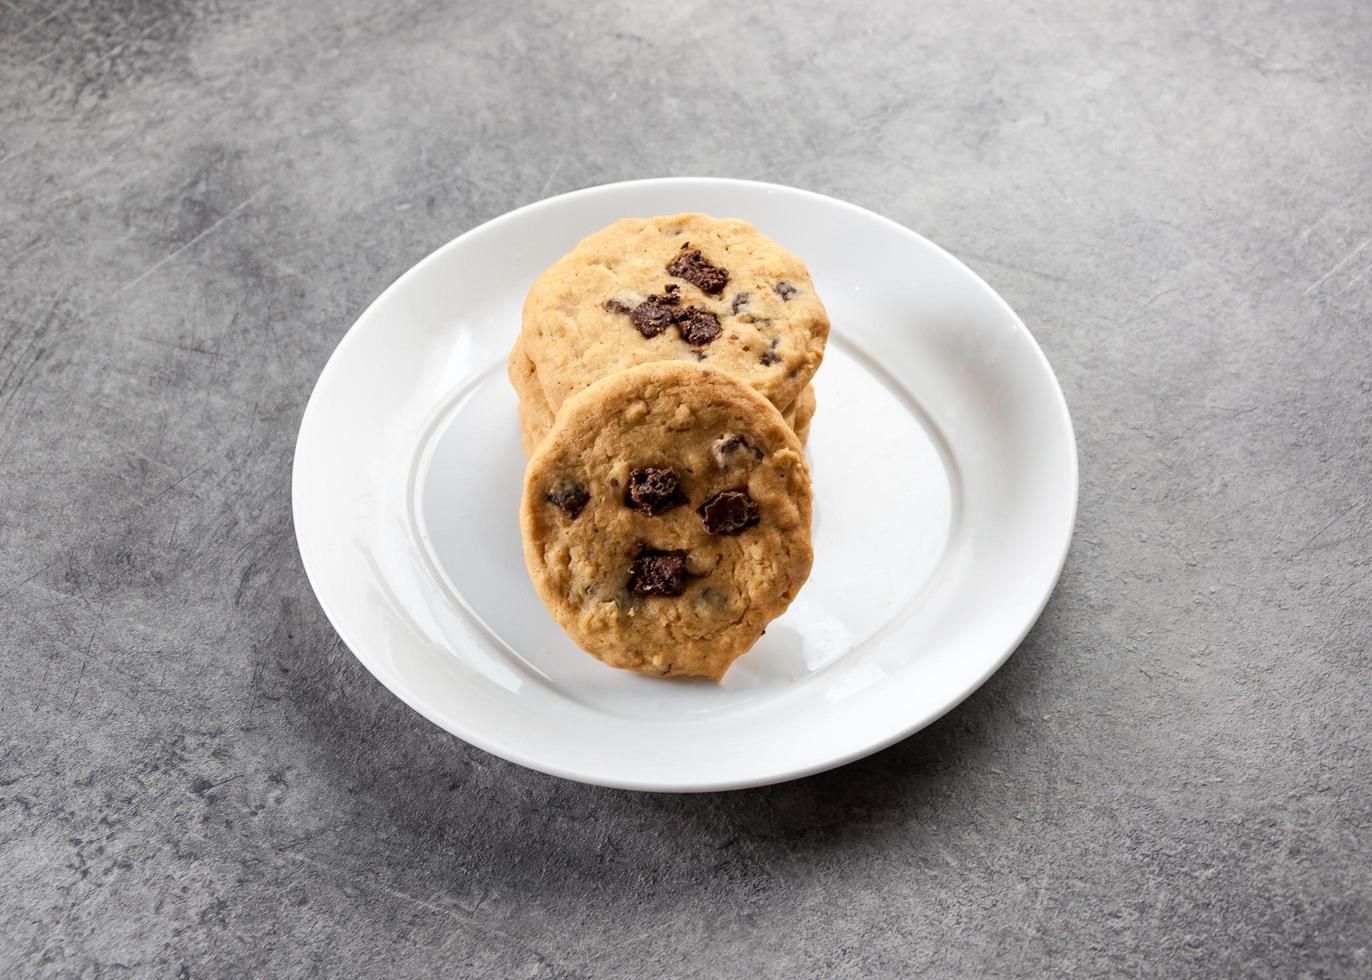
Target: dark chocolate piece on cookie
x=698, y=327
x=728, y=449
x=729, y=512
x=785, y=290
x=698, y=271
x=654, y=490
x=655, y=314
x=770, y=355
x=656, y=572
x=570, y=497
x=740, y=301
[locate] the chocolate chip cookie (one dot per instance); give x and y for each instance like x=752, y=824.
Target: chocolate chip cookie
x=536, y=418
x=666, y=518
x=687, y=287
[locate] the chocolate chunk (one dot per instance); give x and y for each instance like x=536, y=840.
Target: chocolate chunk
x=615, y=306
x=785, y=290
x=698, y=271
x=740, y=301
x=698, y=327
x=655, y=314
x=656, y=572
x=770, y=355
x=570, y=496
x=654, y=490
x=729, y=449
x=729, y=512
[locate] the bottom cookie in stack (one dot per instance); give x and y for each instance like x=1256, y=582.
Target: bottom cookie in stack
x=666, y=518
x=536, y=417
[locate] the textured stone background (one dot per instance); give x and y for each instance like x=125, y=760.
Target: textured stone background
x=1171, y=776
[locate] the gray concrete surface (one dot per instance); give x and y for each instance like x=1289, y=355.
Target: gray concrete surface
x=1171, y=776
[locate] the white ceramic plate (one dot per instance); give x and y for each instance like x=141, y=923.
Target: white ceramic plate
x=945, y=476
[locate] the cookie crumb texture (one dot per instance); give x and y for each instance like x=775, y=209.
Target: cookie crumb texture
x=695, y=530
x=684, y=287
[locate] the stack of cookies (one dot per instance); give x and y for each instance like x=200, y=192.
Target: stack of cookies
x=663, y=372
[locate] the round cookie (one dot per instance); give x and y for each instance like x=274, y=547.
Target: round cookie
x=536, y=418
x=666, y=519
x=684, y=287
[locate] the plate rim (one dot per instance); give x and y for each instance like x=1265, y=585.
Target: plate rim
x=514, y=754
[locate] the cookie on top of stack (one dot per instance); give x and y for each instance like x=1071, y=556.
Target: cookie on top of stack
x=663, y=371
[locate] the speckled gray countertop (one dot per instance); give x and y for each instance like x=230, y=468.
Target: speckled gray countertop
x=1170, y=777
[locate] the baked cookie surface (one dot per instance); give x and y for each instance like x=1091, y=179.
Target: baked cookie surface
x=666, y=519
x=802, y=413
x=685, y=287
x=536, y=417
